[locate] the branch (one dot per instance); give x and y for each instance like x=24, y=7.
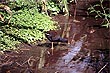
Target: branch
x=102, y=67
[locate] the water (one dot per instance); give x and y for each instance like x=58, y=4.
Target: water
x=65, y=63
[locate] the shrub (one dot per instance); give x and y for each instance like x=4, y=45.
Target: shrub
x=23, y=25
x=102, y=13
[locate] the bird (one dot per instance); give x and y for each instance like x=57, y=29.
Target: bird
x=53, y=39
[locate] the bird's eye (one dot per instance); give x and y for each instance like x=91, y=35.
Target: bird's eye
x=47, y=34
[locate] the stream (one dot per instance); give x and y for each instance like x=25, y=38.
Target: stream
x=65, y=63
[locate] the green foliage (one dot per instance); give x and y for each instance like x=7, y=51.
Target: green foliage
x=25, y=25
x=102, y=13
x=58, y=6
x=7, y=42
x=65, y=3
x=23, y=3
x=53, y=7
x=28, y=23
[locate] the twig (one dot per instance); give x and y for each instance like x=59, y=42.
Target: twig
x=27, y=61
x=19, y=64
x=102, y=67
x=30, y=59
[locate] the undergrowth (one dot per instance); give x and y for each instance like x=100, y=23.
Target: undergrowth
x=21, y=22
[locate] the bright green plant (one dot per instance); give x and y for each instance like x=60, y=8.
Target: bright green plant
x=23, y=3
x=30, y=21
x=26, y=24
x=58, y=6
x=102, y=13
x=53, y=7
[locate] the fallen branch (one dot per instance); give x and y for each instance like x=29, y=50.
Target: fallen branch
x=102, y=67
